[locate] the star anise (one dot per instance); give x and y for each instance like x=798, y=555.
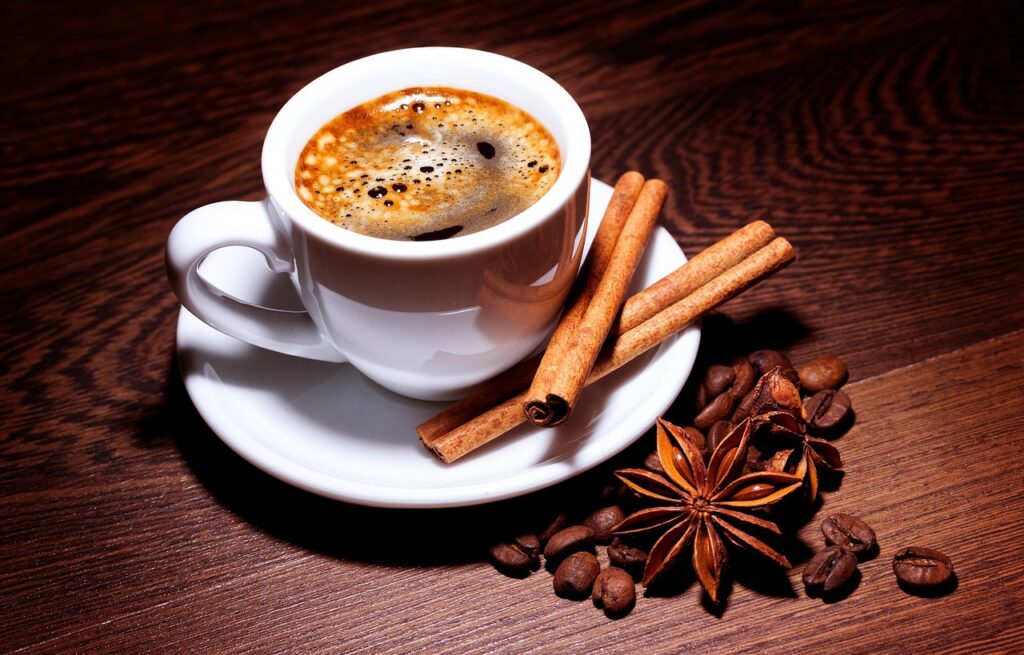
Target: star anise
x=700, y=503
x=780, y=423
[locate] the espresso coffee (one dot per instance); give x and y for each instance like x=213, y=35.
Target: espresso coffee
x=427, y=163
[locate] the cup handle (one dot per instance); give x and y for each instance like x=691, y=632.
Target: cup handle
x=235, y=223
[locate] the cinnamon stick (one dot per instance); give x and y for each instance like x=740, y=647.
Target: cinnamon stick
x=518, y=377
x=503, y=417
x=699, y=270
x=571, y=353
x=705, y=265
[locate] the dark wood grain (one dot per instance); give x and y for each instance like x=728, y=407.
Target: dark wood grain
x=315, y=602
x=886, y=140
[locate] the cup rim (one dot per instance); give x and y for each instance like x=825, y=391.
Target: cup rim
x=575, y=157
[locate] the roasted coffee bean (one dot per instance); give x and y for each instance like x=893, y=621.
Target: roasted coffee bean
x=829, y=570
x=822, y=373
x=720, y=430
x=744, y=408
x=601, y=521
x=529, y=544
x=766, y=360
x=574, y=577
x=828, y=411
x=849, y=533
x=628, y=558
x=512, y=560
x=746, y=378
x=614, y=591
x=696, y=437
x=558, y=523
x=921, y=567
x=568, y=540
x=653, y=463
x=718, y=379
x=719, y=408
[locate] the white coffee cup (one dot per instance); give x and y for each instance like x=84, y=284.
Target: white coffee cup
x=425, y=319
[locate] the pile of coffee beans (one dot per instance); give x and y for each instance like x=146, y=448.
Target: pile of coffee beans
x=585, y=559
x=570, y=555
x=725, y=396
x=579, y=549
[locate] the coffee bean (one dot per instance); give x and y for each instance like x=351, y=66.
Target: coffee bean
x=718, y=409
x=529, y=544
x=921, y=567
x=744, y=408
x=822, y=373
x=575, y=576
x=601, y=521
x=766, y=360
x=514, y=561
x=626, y=557
x=719, y=431
x=558, y=523
x=653, y=463
x=829, y=570
x=614, y=591
x=745, y=380
x=695, y=437
x=827, y=411
x=717, y=379
x=849, y=533
x=568, y=540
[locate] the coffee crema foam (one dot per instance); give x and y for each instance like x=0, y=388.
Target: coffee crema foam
x=427, y=163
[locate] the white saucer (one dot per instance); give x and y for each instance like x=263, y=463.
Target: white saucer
x=327, y=429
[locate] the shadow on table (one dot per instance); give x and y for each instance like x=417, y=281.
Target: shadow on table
x=385, y=536
x=416, y=537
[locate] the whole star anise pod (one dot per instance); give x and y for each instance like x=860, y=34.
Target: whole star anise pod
x=780, y=423
x=700, y=503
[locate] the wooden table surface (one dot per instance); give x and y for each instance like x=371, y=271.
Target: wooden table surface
x=885, y=139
